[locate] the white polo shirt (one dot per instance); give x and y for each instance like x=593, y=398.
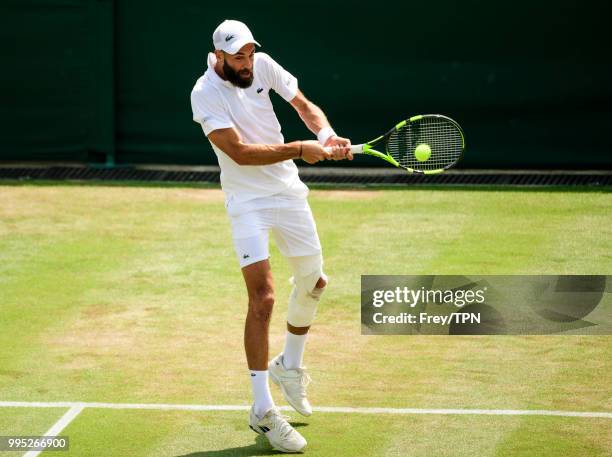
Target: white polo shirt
x=218, y=104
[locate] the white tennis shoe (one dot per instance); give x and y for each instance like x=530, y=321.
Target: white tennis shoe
x=292, y=383
x=281, y=435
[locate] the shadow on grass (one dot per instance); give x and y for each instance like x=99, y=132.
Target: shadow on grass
x=261, y=447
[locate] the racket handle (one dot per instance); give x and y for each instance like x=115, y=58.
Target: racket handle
x=355, y=149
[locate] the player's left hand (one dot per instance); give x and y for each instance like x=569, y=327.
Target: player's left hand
x=341, y=147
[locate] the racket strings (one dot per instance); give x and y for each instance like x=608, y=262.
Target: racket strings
x=441, y=135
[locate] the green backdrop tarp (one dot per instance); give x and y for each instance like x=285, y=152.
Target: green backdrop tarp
x=56, y=80
x=529, y=83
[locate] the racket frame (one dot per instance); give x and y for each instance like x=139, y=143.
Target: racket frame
x=368, y=148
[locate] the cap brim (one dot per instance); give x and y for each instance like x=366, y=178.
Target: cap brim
x=236, y=46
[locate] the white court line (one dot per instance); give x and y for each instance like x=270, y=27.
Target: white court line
x=323, y=409
x=60, y=425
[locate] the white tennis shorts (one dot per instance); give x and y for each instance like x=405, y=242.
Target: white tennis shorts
x=289, y=219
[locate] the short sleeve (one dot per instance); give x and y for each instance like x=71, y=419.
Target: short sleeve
x=210, y=112
x=281, y=81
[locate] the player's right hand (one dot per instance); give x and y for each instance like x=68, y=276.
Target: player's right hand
x=313, y=152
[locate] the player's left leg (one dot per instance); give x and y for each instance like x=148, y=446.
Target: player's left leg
x=295, y=343
x=297, y=239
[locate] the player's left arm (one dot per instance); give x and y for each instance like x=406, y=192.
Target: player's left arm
x=316, y=121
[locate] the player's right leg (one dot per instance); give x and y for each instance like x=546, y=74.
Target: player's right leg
x=260, y=289
x=264, y=417
x=250, y=234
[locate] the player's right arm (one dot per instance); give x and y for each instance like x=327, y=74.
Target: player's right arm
x=230, y=142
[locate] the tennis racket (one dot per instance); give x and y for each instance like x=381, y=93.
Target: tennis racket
x=427, y=144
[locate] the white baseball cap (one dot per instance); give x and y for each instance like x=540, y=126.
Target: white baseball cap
x=231, y=35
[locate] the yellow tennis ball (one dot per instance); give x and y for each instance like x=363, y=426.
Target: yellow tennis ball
x=422, y=152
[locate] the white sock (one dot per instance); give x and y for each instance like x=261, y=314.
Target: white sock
x=261, y=392
x=293, y=354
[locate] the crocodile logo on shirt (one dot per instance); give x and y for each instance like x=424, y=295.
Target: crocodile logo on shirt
x=260, y=90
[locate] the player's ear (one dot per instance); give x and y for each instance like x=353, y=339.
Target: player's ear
x=220, y=55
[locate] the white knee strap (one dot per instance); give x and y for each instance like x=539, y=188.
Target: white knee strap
x=305, y=296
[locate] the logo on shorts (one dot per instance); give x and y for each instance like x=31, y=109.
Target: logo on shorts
x=246, y=256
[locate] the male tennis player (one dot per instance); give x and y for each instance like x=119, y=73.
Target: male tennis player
x=264, y=193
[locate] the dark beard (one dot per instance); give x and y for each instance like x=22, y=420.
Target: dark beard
x=235, y=78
